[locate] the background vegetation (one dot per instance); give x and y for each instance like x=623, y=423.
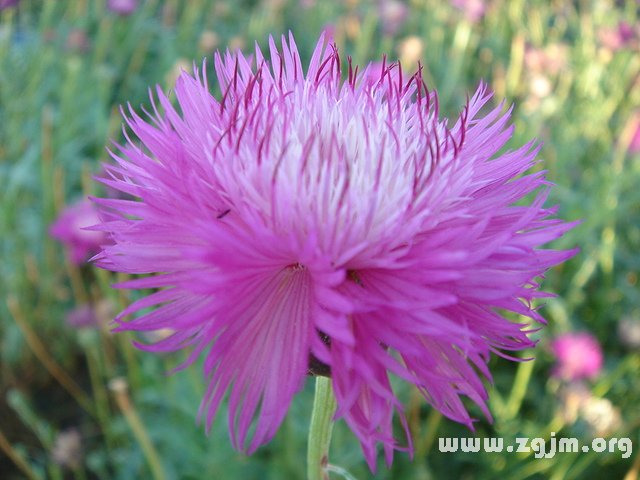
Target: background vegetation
x=82, y=403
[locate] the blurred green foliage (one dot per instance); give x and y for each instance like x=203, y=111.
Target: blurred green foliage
x=65, y=67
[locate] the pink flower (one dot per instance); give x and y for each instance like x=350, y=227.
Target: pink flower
x=550, y=60
x=82, y=316
x=619, y=37
x=392, y=14
x=634, y=143
x=122, y=7
x=301, y=224
x=4, y=4
x=78, y=41
x=473, y=9
x=89, y=315
x=70, y=229
x=578, y=355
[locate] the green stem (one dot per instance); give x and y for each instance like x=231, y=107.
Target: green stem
x=119, y=387
x=519, y=389
x=324, y=406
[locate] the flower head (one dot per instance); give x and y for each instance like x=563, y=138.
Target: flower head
x=71, y=229
x=89, y=315
x=67, y=448
x=82, y=316
x=4, y=4
x=619, y=37
x=122, y=7
x=304, y=223
x=634, y=125
x=579, y=356
x=393, y=14
x=473, y=9
x=629, y=332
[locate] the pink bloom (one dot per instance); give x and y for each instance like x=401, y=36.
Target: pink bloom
x=70, y=229
x=82, y=316
x=626, y=32
x=550, y=60
x=122, y=7
x=301, y=224
x=578, y=354
x=89, y=315
x=392, y=14
x=78, y=41
x=634, y=143
x=473, y=9
x=4, y=4
x=619, y=37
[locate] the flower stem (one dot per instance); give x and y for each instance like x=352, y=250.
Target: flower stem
x=50, y=364
x=119, y=387
x=324, y=406
x=19, y=461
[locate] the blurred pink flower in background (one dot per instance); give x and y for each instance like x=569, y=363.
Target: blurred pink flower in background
x=67, y=449
x=473, y=9
x=90, y=315
x=578, y=354
x=549, y=60
x=634, y=144
x=618, y=37
x=70, y=229
x=392, y=14
x=8, y=3
x=78, y=41
x=122, y=7
x=542, y=67
x=82, y=316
